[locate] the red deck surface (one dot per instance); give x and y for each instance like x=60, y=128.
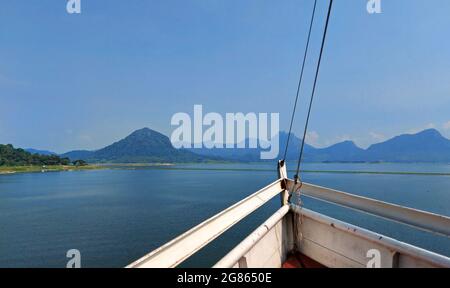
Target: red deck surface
x=298, y=260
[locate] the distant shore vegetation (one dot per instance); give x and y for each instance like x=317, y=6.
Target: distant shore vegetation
x=11, y=157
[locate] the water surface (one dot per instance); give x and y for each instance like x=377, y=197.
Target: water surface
x=115, y=216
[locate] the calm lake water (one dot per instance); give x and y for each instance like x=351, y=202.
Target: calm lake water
x=117, y=215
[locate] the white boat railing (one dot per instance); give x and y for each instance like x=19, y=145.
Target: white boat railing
x=427, y=221
x=328, y=241
x=182, y=247
x=179, y=249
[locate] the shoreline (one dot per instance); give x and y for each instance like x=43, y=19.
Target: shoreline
x=172, y=166
x=8, y=170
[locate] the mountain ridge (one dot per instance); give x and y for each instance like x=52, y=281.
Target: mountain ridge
x=426, y=146
x=143, y=145
x=40, y=152
x=146, y=145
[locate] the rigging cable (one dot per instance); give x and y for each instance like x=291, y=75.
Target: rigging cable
x=301, y=78
x=313, y=92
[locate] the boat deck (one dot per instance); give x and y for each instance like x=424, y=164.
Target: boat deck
x=298, y=260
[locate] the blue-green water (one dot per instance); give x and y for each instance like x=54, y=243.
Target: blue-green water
x=116, y=216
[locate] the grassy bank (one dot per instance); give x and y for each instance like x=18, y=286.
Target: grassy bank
x=55, y=168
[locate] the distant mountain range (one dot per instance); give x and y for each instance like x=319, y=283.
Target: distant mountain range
x=141, y=146
x=146, y=145
x=40, y=152
x=426, y=146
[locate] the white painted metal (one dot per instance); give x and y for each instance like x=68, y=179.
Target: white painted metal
x=276, y=232
x=182, y=247
x=282, y=174
x=238, y=253
x=270, y=251
x=427, y=221
x=337, y=244
x=328, y=241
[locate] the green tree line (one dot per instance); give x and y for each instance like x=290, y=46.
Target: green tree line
x=10, y=156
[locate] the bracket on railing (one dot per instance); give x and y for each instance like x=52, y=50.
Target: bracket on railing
x=282, y=175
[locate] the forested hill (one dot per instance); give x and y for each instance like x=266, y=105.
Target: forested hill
x=10, y=156
x=141, y=146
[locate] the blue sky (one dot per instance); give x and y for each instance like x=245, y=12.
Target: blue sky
x=83, y=81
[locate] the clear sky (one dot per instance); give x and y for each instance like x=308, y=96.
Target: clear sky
x=83, y=81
